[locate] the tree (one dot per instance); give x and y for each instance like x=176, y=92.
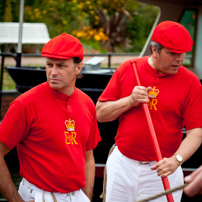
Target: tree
x=114, y=25
x=112, y=20
x=59, y=16
x=8, y=14
x=144, y=17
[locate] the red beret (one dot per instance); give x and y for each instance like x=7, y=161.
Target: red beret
x=173, y=36
x=64, y=46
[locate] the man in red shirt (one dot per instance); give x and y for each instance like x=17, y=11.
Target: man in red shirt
x=174, y=97
x=54, y=127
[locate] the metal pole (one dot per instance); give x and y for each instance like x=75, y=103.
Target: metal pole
x=153, y=136
x=109, y=60
x=19, y=49
x=1, y=82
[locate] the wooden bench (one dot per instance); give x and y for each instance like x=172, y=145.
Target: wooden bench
x=33, y=33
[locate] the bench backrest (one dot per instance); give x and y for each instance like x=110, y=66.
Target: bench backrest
x=33, y=33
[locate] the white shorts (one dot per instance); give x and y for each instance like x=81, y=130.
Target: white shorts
x=129, y=180
x=30, y=192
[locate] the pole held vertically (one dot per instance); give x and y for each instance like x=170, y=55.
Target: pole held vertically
x=153, y=135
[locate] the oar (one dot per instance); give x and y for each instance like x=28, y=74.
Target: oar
x=163, y=193
x=153, y=135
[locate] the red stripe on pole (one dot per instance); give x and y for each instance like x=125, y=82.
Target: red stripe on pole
x=153, y=136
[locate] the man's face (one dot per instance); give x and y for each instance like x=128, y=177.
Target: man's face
x=61, y=74
x=168, y=62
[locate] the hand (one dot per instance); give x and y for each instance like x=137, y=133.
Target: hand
x=139, y=95
x=166, y=166
x=195, y=183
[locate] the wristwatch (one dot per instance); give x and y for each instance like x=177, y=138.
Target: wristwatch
x=179, y=158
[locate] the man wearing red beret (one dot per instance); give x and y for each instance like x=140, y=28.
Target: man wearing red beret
x=174, y=97
x=55, y=130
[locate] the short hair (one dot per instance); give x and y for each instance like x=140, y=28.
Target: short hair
x=77, y=60
x=158, y=46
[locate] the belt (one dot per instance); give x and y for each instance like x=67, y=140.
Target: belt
x=144, y=163
x=136, y=162
x=33, y=187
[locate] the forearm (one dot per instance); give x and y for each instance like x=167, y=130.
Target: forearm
x=190, y=144
x=6, y=184
x=89, y=176
x=111, y=110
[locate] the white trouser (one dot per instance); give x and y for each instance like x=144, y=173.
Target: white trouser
x=129, y=180
x=30, y=192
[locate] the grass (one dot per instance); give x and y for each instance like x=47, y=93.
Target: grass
x=8, y=83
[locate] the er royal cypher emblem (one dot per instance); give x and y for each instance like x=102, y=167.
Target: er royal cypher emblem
x=70, y=134
x=153, y=93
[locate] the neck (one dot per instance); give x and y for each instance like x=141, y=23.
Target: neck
x=151, y=62
x=69, y=91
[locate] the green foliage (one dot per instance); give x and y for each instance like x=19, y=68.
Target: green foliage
x=114, y=25
x=112, y=17
x=93, y=46
x=59, y=16
x=9, y=10
x=8, y=82
x=8, y=14
x=2, y=9
x=144, y=17
x=188, y=20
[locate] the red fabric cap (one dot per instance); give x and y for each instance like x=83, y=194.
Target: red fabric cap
x=174, y=36
x=64, y=46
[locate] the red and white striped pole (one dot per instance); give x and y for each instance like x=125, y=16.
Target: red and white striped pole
x=153, y=135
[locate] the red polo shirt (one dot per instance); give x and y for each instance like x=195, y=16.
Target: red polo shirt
x=175, y=102
x=52, y=132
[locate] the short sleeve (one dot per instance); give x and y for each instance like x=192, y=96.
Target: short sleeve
x=111, y=92
x=193, y=109
x=15, y=125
